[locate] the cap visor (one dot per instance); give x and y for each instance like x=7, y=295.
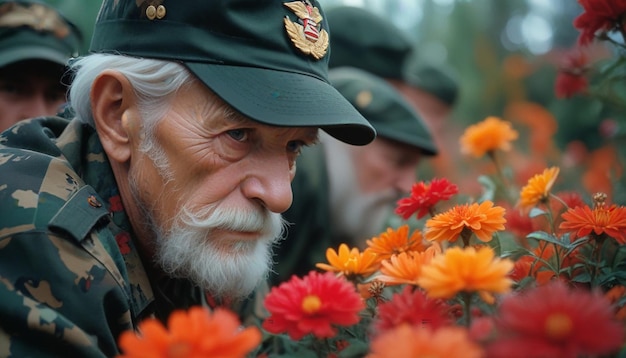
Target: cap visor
x=286, y=99
x=22, y=53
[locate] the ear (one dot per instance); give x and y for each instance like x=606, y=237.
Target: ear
x=113, y=104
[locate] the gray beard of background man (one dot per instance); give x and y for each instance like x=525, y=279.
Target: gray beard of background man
x=355, y=216
x=225, y=268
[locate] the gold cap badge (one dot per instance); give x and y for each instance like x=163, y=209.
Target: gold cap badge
x=308, y=36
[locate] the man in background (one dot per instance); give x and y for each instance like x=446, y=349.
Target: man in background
x=36, y=42
x=344, y=194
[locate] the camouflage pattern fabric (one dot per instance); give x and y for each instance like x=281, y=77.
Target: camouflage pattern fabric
x=71, y=278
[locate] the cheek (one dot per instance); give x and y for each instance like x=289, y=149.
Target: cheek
x=373, y=172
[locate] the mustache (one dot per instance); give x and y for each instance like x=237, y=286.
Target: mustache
x=257, y=220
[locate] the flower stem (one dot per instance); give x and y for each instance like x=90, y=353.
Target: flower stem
x=467, y=312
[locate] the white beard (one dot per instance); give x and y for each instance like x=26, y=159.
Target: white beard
x=224, y=268
x=355, y=216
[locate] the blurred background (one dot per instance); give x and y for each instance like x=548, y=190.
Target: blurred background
x=506, y=56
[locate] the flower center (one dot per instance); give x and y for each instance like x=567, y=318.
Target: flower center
x=311, y=304
x=558, y=326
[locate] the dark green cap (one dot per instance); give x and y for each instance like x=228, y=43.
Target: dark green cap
x=31, y=30
x=268, y=59
x=435, y=80
x=362, y=39
x=384, y=107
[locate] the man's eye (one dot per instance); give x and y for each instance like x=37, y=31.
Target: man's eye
x=295, y=146
x=239, y=135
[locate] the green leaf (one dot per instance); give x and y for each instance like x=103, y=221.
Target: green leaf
x=356, y=349
x=544, y=236
x=535, y=212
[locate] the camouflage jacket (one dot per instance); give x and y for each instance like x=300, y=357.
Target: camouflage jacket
x=71, y=279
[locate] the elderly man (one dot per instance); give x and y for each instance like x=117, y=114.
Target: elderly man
x=35, y=44
x=165, y=190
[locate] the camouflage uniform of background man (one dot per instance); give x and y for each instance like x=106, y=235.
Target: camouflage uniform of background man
x=165, y=191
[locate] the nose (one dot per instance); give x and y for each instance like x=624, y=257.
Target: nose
x=270, y=184
x=406, y=178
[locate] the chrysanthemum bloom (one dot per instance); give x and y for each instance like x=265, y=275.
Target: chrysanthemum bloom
x=350, y=262
x=487, y=136
x=466, y=270
x=411, y=306
x=424, y=196
x=599, y=15
x=393, y=242
x=406, y=341
x=603, y=219
x=537, y=190
x=555, y=321
x=406, y=267
x=535, y=265
x=482, y=219
x=313, y=304
x=193, y=333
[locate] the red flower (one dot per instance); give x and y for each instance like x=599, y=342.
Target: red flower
x=571, y=78
x=424, y=196
x=599, y=15
x=312, y=304
x=554, y=321
x=411, y=306
x=603, y=219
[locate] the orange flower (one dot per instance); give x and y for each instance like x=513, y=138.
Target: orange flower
x=195, y=333
x=407, y=341
x=487, y=136
x=465, y=270
x=603, y=219
x=393, y=242
x=406, y=267
x=350, y=262
x=537, y=190
x=482, y=219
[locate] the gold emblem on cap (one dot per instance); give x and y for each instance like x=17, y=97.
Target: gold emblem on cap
x=363, y=99
x=308, y=37
x=36, y=16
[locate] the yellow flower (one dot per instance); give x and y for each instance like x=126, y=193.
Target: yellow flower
x=487, y=136
x=393, y=242
x=406, y=267
x=350, y=262
x=482, y=219
x=466, y=270
x=538, y=188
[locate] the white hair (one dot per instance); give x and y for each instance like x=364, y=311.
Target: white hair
x=155, y=82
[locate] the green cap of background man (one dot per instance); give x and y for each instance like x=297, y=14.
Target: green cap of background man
x=31, y=30
x=267, y=59
x=434, y=79
x=384, y=107
x=367, y=41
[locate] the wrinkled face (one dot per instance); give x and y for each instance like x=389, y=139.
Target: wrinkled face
x=385, y=165
x=30, y=89
x=212, y=190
